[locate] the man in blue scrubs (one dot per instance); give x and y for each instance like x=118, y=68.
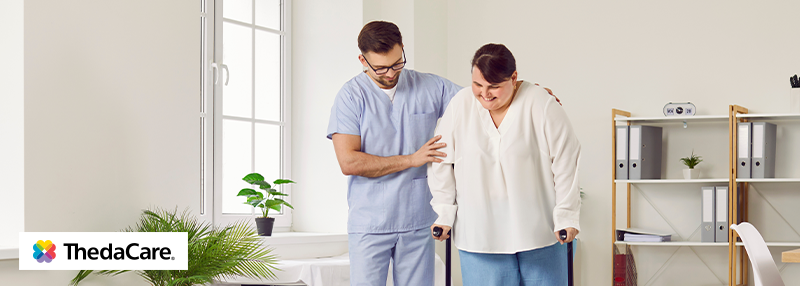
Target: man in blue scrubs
x=382, y=124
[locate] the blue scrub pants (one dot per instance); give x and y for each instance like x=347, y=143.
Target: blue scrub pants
x=544, y=266
x=412, y=254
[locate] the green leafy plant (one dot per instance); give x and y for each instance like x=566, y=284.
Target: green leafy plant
x=692, y=160
x=267, y=200
x=214, y=253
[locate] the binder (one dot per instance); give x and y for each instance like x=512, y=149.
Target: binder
x=722, y=214
x=708, y=219
x=622, y=153
x=644, y=152
x=763, y=150
x=743, y=154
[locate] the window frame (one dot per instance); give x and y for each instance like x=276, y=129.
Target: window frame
x=211, y=201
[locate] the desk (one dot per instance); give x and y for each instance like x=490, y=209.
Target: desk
x=791, y=256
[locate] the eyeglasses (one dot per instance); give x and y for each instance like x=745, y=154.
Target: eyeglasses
x=383, y=71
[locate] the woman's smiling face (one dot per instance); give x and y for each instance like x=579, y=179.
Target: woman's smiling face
x=493, y=96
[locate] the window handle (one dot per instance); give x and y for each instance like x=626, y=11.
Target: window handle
x=214, y=70
x=227, y=73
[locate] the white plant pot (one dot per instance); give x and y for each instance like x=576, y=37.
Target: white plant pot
x=794, y=100
x=691, y=174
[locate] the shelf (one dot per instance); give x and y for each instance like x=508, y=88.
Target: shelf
x=778, y=244
x=769, y=180
x=708, y=181
x=675, y=181
x=672, y=243
x=664, y=119
x=696, y=243
x=782, y=116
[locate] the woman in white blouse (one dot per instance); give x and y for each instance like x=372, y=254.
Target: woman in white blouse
x=509, y=181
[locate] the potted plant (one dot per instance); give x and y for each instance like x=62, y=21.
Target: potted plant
x=215, y=253
x=267, y=200
x=691, y=162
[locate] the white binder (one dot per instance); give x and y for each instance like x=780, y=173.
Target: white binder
x=743, y=134
x=708, y=216
x=763, y=150
x=622, y=153
x=721, y=214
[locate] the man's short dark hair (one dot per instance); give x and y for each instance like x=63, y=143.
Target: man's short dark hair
x=495, y=62
x=379, y=37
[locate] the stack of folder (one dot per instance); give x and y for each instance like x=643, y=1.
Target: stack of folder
x=756, y=150
x=641, y=235
x=714, y=214
x=638, y=152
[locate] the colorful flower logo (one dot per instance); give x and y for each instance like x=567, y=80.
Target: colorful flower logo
x=44, y=251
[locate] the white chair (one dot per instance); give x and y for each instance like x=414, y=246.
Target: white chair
x=765, y=273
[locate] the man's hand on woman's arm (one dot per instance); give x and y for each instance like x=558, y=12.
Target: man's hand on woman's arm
x=354, y=162
x=550, y=91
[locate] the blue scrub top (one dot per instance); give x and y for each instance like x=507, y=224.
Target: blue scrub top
x=400, y=201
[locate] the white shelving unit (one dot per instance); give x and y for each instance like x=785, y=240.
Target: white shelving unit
x=737, y=262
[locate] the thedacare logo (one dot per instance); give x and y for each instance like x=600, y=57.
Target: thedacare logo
x=132, y=252
x=105, y=251
x=44, y=251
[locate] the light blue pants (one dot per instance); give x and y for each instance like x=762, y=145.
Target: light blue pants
x=544, y=266
x=412, y=254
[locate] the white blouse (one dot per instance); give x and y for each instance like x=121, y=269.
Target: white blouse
x=507, y=189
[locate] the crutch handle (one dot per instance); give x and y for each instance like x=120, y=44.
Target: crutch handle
x=563, y=234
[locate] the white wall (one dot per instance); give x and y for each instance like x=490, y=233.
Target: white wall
x=429, y=36
x=11, y=122
x=112, y=111
x=637, y=56
x=111, y=118
x=324, y=56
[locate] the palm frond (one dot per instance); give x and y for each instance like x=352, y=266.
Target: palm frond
x=214, y=253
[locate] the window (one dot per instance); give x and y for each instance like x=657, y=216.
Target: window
x=247, y=44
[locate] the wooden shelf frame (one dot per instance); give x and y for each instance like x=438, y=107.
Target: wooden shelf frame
x=614, y=114
x=734, y=111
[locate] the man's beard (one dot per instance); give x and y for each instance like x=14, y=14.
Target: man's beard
x=386, y=83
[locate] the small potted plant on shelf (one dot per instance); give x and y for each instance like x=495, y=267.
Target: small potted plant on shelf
x=269, y=199
x=691, y=162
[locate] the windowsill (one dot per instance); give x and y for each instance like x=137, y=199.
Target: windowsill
x=9, y=253
x=284, y=238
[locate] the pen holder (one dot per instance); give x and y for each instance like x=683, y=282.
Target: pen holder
x=794, y=100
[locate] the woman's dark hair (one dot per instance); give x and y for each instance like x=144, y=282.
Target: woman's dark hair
x=495, y=62
x=379, y=37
